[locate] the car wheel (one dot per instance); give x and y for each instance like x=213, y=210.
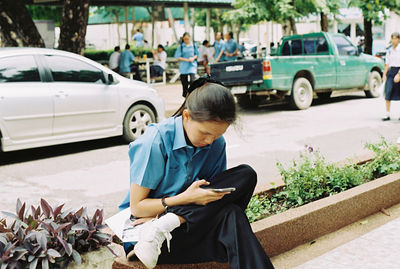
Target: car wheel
x=245, y=101
x=374, y=81
x=136, y=121
x=324, y=95
x=302, y=94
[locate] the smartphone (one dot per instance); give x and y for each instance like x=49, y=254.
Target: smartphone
x=231, y=189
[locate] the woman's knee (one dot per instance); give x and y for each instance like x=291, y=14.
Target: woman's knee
x=249, y=173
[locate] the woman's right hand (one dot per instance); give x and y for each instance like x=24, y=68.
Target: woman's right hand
x=200, y=196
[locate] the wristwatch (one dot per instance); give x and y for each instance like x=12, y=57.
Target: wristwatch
x=164, y=203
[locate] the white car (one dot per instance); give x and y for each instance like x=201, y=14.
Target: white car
x=50, y=97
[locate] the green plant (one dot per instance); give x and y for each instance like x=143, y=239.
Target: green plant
x=48, y=237
x=312, y=178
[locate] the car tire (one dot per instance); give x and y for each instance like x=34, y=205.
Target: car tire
x=247, y=101
x=302, y=94
x=374, y=81
x=136, y=121
x=324, y=95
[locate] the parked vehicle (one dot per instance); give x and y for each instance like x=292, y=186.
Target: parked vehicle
x=305, y=65
x=52, y=97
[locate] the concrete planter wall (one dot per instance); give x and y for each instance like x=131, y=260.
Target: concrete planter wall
x=102, y=258
x=284, y=231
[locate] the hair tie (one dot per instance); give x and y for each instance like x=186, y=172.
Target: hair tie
x=201, y=81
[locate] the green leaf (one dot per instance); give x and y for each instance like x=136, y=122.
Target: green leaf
x=80, y=227
x=77, y=257
x=45, y=264
x=46, y=208
x=33, y=264
x=53, y=253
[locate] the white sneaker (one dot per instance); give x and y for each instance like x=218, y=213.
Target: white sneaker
x=148, y=248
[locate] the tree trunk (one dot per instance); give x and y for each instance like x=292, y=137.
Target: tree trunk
x=73, y=26
x=16, y=25
x=118, y=31
x=324, y=22
x=293, y=27
x=368, y=36
x=285, y=28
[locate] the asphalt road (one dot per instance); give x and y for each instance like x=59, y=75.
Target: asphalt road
x=96, y=173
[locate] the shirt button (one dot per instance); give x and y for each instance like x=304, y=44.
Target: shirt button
x=189, y=177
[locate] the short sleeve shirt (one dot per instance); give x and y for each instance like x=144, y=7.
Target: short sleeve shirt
x=231, y=46
x=163, y=59
x=139, y=37
x=114, y=60
x=218, y=47
x=125, y=61
x=162, y=161
x=393, y=57
x=187, y=51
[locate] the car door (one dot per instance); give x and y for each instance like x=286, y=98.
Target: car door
x=26, y=103
x=83, y=102
x=351, y=72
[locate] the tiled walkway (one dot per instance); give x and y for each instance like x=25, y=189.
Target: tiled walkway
x=378, y=249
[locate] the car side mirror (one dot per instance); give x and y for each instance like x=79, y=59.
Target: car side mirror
x=110, y=79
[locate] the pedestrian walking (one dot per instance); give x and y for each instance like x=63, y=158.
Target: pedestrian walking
x=138, y=37
x=231, y=47
x=187, y=54
x=159, y=64
x=114, y=60
x=219, y=47
x=391, y=75
x=174, y=168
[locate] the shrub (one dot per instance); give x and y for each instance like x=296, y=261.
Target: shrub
x=312, y=178
x=48, y=237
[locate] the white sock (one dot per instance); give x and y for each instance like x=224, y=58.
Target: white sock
x=387, y=114
x=168, y=222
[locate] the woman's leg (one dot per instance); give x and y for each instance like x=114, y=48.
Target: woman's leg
x=230, y=238
x=185, y=84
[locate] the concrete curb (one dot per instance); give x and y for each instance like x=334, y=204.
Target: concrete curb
x=284, y=231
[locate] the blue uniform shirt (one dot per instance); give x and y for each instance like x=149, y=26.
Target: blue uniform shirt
x=162, y=161
x=231, y=46
x=218, y=46
x=138, y=37
x=125, y=61
x=185, y=51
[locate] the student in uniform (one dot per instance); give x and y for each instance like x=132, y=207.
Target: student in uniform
x=219, y=47
x=231, y=48
x=172, y=167
x=187, y=54
x=392, y=74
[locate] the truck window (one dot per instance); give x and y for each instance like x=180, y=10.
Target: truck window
x=322, y=45
x=292, y=47
x=297, y=48
x=309, y=46
x=286, y=49
x=344, y=46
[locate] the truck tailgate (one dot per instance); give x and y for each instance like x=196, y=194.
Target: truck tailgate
x=242, y=72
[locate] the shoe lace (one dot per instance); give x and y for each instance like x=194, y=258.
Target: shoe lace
x=158, y=236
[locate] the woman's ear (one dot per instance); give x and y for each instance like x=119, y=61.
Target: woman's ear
x=185, y=114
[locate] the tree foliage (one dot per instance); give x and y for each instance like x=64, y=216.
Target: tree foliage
x=53, y=13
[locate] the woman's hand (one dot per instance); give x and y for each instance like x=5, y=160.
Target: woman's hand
x=384, y=77
x=141, y=221
x=199, y=196
x=396, y=78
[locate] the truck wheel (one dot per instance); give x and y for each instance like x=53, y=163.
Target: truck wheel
x=374, y=81
x=324, y=95
x=302, y=94
x=245, y=101
x=136, y=121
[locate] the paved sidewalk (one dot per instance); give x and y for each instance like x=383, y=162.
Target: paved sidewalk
x=379, y=248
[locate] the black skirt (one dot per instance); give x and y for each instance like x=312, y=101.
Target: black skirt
x=392, y=90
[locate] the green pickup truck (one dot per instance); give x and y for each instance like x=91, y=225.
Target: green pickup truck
x=305, y=66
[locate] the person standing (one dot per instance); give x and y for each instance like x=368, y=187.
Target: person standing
x=126, y=58
x=138, y=37
x=160, y=61
x=392, y=73
x=231, y=48
x=219, y=47
x=115, y=57
x=187, y=54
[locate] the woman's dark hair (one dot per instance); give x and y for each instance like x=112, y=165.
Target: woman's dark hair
x=161, y=47
x=205, y=42
x=185, y=34
x=395, y=34
x=230, y=34
x=209, y=100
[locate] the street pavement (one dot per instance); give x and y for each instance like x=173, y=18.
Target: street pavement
x=96, y=173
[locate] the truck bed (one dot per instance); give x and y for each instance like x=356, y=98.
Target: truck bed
x=242, y=72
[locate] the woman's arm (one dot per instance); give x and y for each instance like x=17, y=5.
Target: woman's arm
x=143, y=207
x=385, y=72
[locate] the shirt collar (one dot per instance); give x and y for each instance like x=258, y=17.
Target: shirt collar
x=179, y=139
